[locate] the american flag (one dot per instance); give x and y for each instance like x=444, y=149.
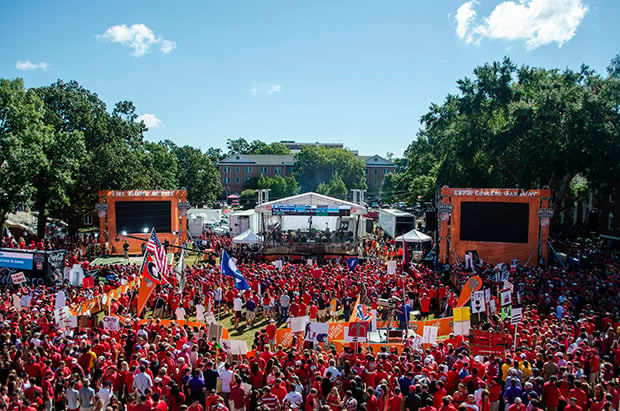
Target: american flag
x=159, y=254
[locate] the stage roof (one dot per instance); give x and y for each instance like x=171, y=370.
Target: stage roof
x=311, y=198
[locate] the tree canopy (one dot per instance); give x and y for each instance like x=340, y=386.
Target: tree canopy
x=523, y=127
x=59, y=145
x=242, y=146
x=317, y=164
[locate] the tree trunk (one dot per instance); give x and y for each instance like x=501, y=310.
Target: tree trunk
x=42, y=220
x=559, y=203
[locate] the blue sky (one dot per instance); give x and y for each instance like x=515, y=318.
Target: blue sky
x=357, y=72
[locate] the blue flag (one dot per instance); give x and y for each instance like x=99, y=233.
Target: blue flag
x=230, y=269
x=352, y=262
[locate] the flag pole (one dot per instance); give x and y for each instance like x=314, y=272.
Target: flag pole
x=404, y=281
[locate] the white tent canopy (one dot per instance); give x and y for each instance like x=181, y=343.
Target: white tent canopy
x=311, y=198
x=247, y=237
x=414, y=236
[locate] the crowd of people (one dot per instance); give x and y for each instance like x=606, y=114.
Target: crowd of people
x=566, y=356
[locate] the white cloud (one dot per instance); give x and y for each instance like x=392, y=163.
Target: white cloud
x=264, y=87
x=150, y=121
x=537, y=22
x=465, y=16
x=138, y=37
x=27, y=65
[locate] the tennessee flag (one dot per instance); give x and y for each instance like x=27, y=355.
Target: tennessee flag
x=360, y=313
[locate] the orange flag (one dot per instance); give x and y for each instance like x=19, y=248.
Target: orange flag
x=146, y=288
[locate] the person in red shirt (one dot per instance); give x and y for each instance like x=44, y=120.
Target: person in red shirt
x=579, y=394
x=195, y=406
x=372, y=403
x=572, y=406
x=158, y=405
x=446, y=405
x=440, y=392
x=495, y=392
x=270, y=330
x=395, y=401
x=518, y=405
x=425, y=305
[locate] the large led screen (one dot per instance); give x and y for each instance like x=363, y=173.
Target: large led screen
x=138, y=216
x=495, y=222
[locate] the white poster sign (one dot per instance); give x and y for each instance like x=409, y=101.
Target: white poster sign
x=61, y=299
x=430, y=334
x=506, y=297
x=238, y=347
x=76, y=276
x=18, y=278
x=316, y=332
x=111, y=323
x=391, y=267
x=298, y=324
x=516, y=316
x=477, y=302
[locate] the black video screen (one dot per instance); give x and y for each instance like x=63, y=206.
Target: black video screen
x=495, y=222
x=136, y=216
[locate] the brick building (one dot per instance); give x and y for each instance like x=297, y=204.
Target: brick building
x=238, y=169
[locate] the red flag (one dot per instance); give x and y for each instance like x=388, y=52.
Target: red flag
x=150, y=270
x=88, y=282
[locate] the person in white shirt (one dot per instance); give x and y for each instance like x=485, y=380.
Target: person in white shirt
x=180, y=313
x=293, y=399
x=105, y=393
x=335, y=372
x=237, y=305
x=226, y=377
x=142, y=381
x=200, y=312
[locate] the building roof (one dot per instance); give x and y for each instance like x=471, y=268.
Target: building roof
x=259, y=159
x=376, y=161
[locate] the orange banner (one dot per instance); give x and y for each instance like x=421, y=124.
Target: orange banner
x=473, y=284
x=146, y=288
x=284, y=336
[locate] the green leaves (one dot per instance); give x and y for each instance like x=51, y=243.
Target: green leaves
x=22, y=133
x=520, y=127
x=315, y=165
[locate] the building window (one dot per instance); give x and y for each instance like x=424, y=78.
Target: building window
x=612, y=195
x=237, y=170
x=376, y=182
x=276, y=170
x=248, y=169
x=226, y=169
x=248, y=179
x=226, y=180
x=366, y=171
x=88, y=219
x=386, y=171
x=237, y=180
x=610, y=222
x=376, y=171
x=263, y=170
